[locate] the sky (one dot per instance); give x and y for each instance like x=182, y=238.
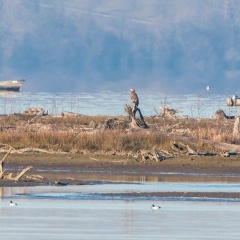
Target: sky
x=173, y=46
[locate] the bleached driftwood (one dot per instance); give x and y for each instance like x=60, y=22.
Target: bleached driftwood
x=2, y=162
x=35, y=112
x=152, y=155
x=168, y=112
x=233, y=101
x=236, y=127
x=16, y=178
x=9, y=176
x=32, y=150
x=70, y=114
x=146, y=154
x=136, y=122
x=220, y=114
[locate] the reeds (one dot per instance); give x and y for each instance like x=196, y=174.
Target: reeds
x=66, y=141
x=66, y=134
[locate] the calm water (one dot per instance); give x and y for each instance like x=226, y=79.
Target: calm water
x=84, y=212
x=110, y=103
x=81, y=212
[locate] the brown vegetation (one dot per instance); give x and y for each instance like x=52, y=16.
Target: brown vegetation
x=90, y=133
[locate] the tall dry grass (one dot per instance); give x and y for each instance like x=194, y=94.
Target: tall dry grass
x=66, y=141
x=60, y=136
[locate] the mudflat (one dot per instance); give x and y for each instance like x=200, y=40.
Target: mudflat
x=179, y=164
x=64, y=169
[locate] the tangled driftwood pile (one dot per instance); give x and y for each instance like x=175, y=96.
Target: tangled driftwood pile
x=168, y=112
x=116, y=123
x=35, y=112
x=176, y=149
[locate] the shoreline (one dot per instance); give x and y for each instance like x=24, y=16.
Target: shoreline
x=216, y=165
x=63, y=170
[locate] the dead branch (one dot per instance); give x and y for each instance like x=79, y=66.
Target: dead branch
x=16, y=178
x=94, y=159
x=158, y=156
x=137, y=123
x=2, y=161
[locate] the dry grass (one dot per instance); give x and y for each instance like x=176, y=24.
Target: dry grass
x=60, y=135
x=66, y=141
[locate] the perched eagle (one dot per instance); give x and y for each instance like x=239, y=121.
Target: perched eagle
x=134, y=97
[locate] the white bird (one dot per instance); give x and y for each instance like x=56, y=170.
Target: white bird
x=208, y=88
x=155, y=207
x=12, y=203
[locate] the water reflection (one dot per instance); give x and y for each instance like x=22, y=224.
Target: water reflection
x=144, y=177
x=49, y=219
x=115, y=190
x=9, y=94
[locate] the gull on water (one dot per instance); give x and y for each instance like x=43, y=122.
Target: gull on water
x=12, y=203
x=155, y=207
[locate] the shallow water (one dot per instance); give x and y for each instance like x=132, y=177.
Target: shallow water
x=118, y=219
x=99, y=191
x=81, y=212
x=197, y=105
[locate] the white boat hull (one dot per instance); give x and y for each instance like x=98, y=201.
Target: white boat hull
x=11, y=85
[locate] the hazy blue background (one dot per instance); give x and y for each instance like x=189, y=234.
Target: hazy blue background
x=93, y=45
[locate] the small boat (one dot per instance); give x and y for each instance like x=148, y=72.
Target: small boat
x=11, y=85
x=155, y=207
x=12, y=203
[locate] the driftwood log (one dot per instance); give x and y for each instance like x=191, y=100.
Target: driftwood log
x=9, y=176
x=168, y=112
x=18, y=176
x=176, y=149
x=233, y=102
x=220, y=114
x=35, y=112
x=236, y=127
x=136, y=122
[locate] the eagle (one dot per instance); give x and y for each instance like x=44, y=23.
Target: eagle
x=134, y=97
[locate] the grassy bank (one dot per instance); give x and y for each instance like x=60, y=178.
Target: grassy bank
x=78, y=133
